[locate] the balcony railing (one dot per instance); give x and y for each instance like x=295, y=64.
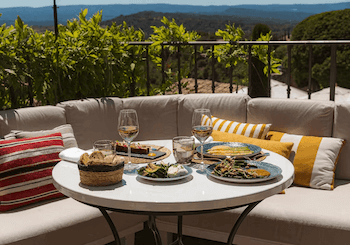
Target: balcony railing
x=333, y=70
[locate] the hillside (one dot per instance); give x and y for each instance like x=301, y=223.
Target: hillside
x=44, y=15
x=201, y=23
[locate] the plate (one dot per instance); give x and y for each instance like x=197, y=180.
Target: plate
x=256, y=149
x=273, y=169
x=189, y=170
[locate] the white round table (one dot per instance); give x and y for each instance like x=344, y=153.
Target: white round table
x=198, y=193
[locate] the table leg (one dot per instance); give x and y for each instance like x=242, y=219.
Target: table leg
x=111, y=225
x=153, y=227
x=178, y=240
x=239, y=221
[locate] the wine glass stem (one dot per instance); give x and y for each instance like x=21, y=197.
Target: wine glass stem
x=202, y=154
x=129, y=153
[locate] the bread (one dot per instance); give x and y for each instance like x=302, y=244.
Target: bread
x=97, y=158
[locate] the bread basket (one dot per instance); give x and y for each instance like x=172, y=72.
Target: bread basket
x=101, y=175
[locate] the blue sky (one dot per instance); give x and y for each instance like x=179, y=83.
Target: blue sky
x=42, y=3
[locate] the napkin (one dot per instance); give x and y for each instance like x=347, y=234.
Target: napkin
x=197, y=143
x=72, y=154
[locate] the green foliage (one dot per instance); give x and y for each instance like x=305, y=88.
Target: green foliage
x=173, y=33
x=87, y=60
x=234, y=54
x=325, y=26
x=260, y=29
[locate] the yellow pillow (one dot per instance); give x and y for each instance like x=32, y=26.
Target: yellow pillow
x=258, y=131
x=314, y=158
x=283, y=149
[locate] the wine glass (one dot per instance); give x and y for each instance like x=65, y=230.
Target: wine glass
x=128, y=127
x=183, y=149
x=202, y=128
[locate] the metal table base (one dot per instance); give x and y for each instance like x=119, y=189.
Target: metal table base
x=153, y=226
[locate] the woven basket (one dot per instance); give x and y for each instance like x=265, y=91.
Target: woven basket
x=101, y=175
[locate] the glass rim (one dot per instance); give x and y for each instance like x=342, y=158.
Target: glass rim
x=102, y=142
x=127, y=110
x=183, y=137
x=202, y=109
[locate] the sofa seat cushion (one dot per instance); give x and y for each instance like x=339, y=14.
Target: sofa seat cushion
x=302, y=216
x=63, y=221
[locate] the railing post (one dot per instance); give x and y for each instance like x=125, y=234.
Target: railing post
x=250, y=67
x=231, y=77
x=289, y=70
x=213, y=71
x=310, y=72
x=195, y=70
x=179, y=68
x=269, y=70
x=148, y=85
x=163, y=72
x=333, y=75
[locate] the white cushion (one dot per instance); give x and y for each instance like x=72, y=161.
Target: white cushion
x=302, y=216
x=65, y=221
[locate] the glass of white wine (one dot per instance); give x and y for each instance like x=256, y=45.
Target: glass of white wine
x=128, y=127
x=202, y=128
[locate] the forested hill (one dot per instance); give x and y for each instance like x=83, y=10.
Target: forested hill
x=44, y=15
x=202, y=23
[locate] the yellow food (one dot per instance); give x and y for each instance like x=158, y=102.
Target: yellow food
x=259, y=172
x=152, y=154
x=229, y=150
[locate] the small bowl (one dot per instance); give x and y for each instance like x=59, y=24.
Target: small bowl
x=101, y=175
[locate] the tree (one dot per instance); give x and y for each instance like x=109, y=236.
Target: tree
x=258, y=86
x=325, y=26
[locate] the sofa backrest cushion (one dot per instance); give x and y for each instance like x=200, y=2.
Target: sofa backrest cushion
x=302, y=117
x=157, y=116
x=228, y=106
x=93, y=119
x=31, y=119
x=341, y=129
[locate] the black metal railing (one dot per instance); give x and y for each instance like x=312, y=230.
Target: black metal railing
x=333, y=72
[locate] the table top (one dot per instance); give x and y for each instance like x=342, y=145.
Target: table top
x=197, y=192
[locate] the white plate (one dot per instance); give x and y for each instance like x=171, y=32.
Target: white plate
x=273, y=169
x=189, y=170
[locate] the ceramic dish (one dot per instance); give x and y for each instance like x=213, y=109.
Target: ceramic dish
x=189, y=170
x=256, y=149
x=273, y=169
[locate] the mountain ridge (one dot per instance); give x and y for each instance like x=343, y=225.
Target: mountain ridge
x=44, y=15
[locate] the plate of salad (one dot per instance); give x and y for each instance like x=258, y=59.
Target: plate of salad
x=163, y=172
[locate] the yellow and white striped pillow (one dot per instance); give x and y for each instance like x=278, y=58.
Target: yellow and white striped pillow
x=314, y=158
x=258, y=131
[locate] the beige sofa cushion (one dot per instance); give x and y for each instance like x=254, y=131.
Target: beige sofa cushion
x=302, y=216
x=303, y=117
x=65, y=221
x=93, y=119
x=31, y=119
x=341, y=129
x=157, y=116
x=229, y=106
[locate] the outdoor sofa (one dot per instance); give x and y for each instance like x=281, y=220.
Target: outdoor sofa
x=303, y=215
